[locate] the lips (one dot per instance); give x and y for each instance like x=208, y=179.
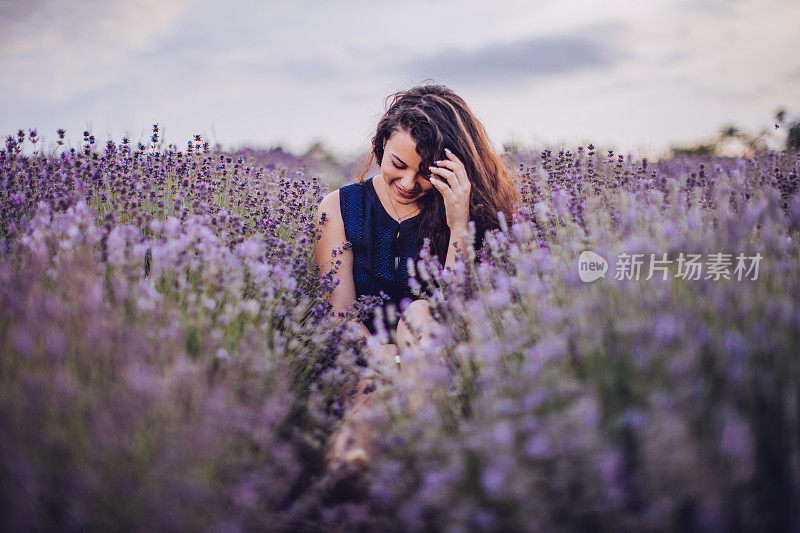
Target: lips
x=403, y=194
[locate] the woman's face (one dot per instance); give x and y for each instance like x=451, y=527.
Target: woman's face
x=400, y=169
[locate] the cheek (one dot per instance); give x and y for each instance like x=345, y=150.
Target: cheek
x=388, y=170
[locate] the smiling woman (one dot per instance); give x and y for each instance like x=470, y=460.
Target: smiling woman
x=438, y=172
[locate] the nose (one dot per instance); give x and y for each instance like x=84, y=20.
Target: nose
x=407, y=182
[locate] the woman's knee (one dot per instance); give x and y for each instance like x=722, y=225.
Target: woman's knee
x=417, y=318
x=418, y=310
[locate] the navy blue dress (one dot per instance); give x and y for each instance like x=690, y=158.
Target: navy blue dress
x=377, y=239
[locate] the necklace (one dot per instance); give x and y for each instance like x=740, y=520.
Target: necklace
x=388, y=195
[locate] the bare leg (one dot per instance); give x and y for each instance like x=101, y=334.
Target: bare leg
x=351, y=441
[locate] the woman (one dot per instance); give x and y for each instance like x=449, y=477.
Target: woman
x=438, y=171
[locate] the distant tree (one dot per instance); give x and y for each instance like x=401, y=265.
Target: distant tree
x=793, y=139
x=729, y=131
x=731, y=139
x=698, y=149
x=793, y=128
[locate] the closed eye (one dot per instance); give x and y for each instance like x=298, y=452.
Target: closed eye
x=425, y=176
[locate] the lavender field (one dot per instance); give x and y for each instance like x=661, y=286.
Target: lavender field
x=168, y=364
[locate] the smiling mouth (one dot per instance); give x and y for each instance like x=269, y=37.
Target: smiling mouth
x=402, y=193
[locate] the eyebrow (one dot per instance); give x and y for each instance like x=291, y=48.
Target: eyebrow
x=401, y=161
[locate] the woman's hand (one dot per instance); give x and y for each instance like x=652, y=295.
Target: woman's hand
x=393, y=351
x=455, y=192
x=386, y=353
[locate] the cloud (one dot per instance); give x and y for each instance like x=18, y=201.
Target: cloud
x=513, y=61
x=717, y=8
x=60, y=50
x=294, y=71
x=493, y=63
x=13, y=13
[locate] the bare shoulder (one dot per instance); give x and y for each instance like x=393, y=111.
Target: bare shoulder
x=331, y=233
x=330, y=206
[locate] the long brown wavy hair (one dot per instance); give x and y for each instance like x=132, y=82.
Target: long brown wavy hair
x=436, y=117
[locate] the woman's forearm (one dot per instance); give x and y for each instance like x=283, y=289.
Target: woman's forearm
x=460, y=237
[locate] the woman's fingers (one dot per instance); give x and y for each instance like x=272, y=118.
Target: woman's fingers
x=445, y=173
x=456, y=191
x=442, y=187
x=454, y=171
x=459, y=169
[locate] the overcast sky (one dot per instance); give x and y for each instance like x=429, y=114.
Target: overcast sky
x=636, y=74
